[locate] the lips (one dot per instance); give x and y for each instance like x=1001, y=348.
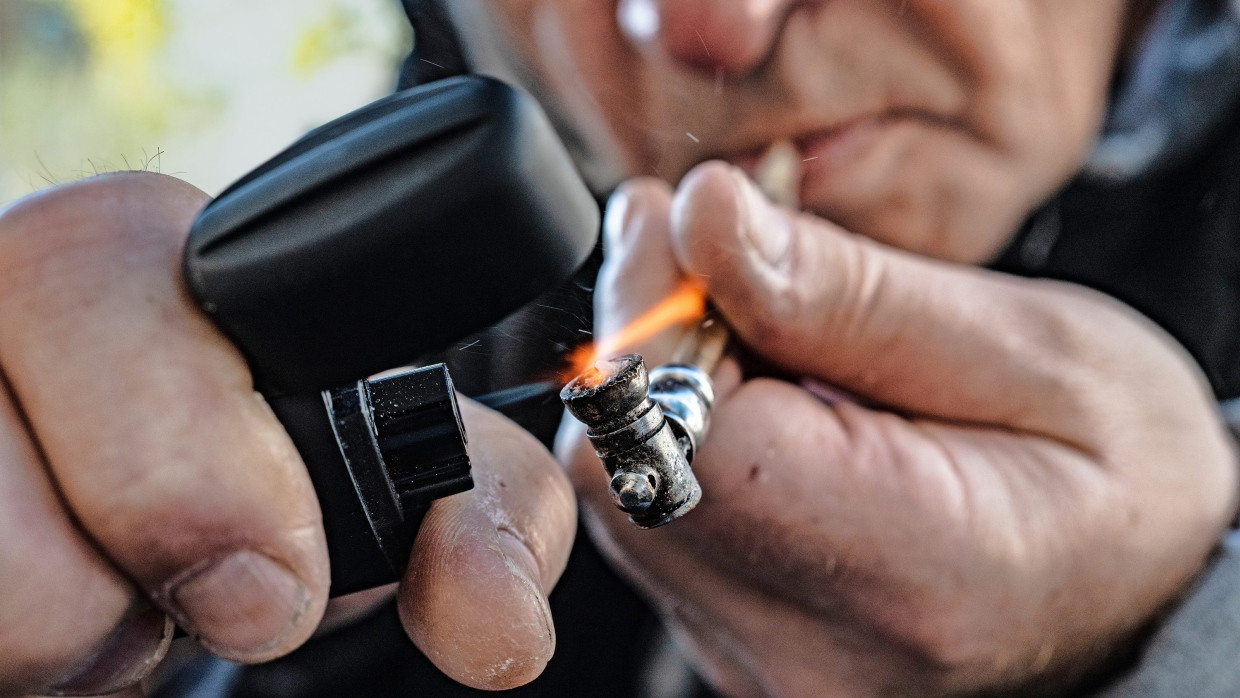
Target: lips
x=835, y=154
x=783, y=165
x=834, y=151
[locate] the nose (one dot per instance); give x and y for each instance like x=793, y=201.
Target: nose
x=730, y=35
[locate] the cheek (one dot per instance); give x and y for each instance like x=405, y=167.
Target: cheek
x=590, y=72
x=931, y=189
x=571, y=55
x=1035, y=75
x=1037, y=72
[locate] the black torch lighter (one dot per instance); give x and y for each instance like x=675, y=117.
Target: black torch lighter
x=382, y=237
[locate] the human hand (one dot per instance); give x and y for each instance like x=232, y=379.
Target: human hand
x=142, y=477
x=1031, y=472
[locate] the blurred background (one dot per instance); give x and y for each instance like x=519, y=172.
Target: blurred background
x=202, y=89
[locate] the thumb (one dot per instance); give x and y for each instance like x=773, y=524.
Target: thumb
x=933, y=338
x=474, y=598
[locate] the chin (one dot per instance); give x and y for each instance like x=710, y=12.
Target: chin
x=930, y=203
x=941, y=232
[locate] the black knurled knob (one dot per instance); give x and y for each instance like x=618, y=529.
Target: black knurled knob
x=420, y=435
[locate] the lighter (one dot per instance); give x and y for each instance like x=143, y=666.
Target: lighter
x=382, y=237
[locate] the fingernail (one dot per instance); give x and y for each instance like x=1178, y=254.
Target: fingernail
x=521, y=558
x=767, y=231
x=129, y=653
x=523, y=565
x=242, y=606
x=617, y=219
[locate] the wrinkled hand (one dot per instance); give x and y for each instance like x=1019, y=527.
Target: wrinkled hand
x=1031, y=472
x=142, y=477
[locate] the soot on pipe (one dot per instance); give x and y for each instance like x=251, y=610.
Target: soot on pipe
x=646, y=428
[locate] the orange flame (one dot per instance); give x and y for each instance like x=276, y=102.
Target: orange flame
x=685, y=305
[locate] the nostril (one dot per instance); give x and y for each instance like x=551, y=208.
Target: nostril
x=731, y=35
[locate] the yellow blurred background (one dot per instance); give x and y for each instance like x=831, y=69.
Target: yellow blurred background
x=203, y=89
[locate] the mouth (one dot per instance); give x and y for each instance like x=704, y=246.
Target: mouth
x=782, y=165
x=748, y=157
x=790, y=166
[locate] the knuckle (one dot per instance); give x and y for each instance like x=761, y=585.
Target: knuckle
x=103, y=201
x=108, y=210
x=81, y=232
x=936, y=644
x=854, y=289
x=1094, y=352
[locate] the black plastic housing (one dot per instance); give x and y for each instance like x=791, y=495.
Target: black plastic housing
x=384, y=236
x=390, y=233
x=378, y=453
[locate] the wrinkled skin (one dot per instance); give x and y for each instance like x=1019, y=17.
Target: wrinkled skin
x=1033, y=471
x=934, y=126
x=142, y=478
x=1023, y=472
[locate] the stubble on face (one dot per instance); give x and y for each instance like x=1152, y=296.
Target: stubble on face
x=932, y=126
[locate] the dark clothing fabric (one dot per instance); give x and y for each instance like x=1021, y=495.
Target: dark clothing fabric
x=1173, y=91
x=1154, y=217
x=437, y=53
x=1167, y=243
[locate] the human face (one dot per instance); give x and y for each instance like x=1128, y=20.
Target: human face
x=932, y=125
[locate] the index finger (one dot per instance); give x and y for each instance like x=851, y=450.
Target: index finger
x=151, y=428
x=937, y=339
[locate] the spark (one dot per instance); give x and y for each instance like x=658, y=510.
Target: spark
x=704, y=46
x=433, y=63
x=685, y=305
x=808, y=159
x=692, y=137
